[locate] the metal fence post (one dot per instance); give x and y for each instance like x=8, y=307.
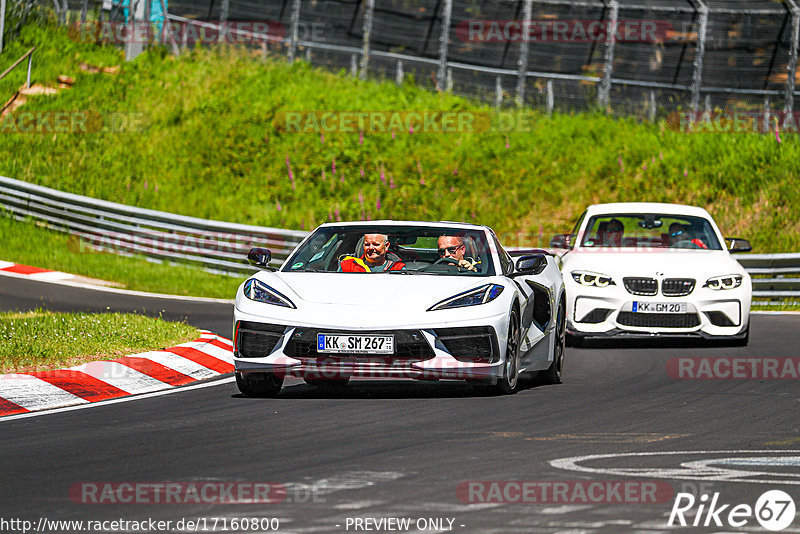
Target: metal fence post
x=130, y=53
x=792, y=67
x=697, y=75
x=522, y=62
x=84, y=9
x=550, y=103
x=353, y=66
x=223, y=10
x=444, y=39
x=608, y=61
x=498, y=92
x=167, y=29
x=766, y=115
x=399, y=74
x=368, y=16
x=2, y=22
x=652, y=106
x=294, y=30
x=28, y=79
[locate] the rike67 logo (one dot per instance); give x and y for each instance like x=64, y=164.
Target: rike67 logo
x=774, y=510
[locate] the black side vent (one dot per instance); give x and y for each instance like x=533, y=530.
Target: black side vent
x=257, y=340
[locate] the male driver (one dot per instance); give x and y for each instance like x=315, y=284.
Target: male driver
x=679, y=233
x=452, y=246
x=376, y=257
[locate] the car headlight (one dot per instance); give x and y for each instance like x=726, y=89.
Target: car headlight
x=261, y=292
x=473, y=297
x=728, y=281
x=586, y=278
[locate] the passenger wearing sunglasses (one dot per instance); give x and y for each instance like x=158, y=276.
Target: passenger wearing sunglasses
x=452, y=246
x=679, y=233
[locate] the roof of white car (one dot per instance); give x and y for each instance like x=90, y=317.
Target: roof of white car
x=646, y=207
x=388, y=222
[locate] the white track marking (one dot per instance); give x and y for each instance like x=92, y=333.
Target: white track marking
x=170, y=391
x=180, y=364
x=120, y=376
x=697, y=471
x=35, y=394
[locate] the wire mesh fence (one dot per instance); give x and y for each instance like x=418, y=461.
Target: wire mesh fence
x=646, y=58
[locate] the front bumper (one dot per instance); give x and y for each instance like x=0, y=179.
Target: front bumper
x=423, y=353
x=609, y=311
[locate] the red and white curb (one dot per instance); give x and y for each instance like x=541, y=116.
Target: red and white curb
x=34, y=272
x=206, y=357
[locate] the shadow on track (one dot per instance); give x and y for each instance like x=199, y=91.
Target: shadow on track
x=373, y=389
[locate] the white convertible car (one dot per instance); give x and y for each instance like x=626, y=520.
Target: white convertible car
x=468, y=311
x=646, y=269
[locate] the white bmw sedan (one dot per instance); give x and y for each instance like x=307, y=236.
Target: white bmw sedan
x=397, y=299
x=646, y=269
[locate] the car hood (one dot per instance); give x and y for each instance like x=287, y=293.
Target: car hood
x=370, y=291
x=656, y=263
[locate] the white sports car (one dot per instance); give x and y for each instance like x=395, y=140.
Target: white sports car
x=481, y=316
x=646, y=269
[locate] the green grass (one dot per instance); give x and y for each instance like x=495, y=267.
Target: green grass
x=214, y=146
x=41, y=340
x=60, y=252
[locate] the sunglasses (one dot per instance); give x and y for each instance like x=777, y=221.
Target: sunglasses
x=614, y=231
x=676, y=234
x=450, y=250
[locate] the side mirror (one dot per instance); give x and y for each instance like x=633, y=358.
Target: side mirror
x=533, y=264
x=563, y=241
x=259, y=257
x=737, y=244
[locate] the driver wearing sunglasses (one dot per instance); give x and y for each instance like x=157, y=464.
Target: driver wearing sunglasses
x=452, y=246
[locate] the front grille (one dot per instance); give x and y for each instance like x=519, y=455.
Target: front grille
x=641, y=286
x=595, y=316
x=677, y=287
x=257, y=340
x=409, y=346
x=718, y=318
x=471, y=344
x=659, y=320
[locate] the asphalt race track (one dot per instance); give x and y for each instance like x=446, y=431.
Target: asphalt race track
x=417, y=451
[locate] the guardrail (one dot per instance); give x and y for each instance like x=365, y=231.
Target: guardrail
x=222, y=247
x=217, y=246
x=774, y=275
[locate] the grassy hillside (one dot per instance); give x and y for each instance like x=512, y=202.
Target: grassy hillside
x=214, y=146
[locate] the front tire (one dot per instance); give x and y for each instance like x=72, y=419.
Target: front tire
x=507, y=384
x=743, y=341
x=553, y=373
x=259, y=384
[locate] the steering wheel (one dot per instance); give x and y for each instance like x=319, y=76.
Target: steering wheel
x=685, y=244
x=441, y=261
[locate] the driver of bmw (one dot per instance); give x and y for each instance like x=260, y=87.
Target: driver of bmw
x=452, y=246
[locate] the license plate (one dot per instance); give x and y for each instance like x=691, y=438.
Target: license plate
x=354, y=344
x=659, y=307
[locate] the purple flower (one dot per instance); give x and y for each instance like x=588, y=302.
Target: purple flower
x=338, y=215
x=455, y=171
x=621, y=165
x=378, y=204
x=333, y=165
x=452, y=189
x=330, y=216
x=360, y=197
x=411, y=128
x=278, y=205
x=644, y=167
x=145, y=183
x=383, y=176
x=421, y=180
x=777, y=133
x=322, y=137
x=507, y=145
x=362, y=172
x=391, y=182
x=393, y=134
x=685, y=173
x=361, y=137
x=341, y=177
x=155, y=184
x=289, y=168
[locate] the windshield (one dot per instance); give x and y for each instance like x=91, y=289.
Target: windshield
x=649, y=230
x=439, y=251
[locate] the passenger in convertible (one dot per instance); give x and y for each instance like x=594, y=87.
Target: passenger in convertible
x=453, y=246
x=376, y=258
